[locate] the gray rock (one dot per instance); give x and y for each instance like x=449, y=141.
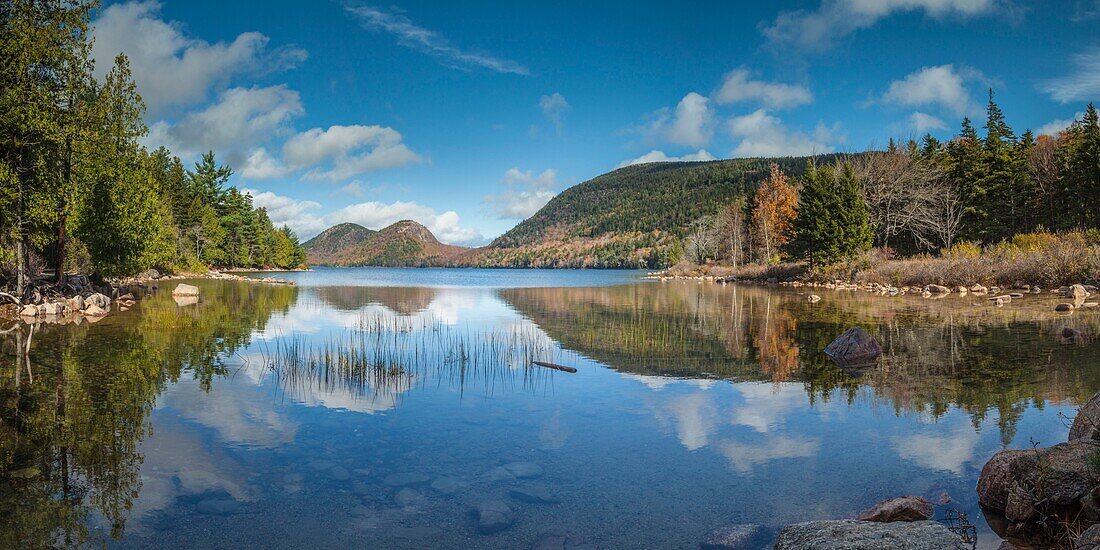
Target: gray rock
x=850, y=534
x=524, y=470
x=1064, y=307
x=447, y=485
x=218, y=507
x=405, y=479
x=854, y=347
x=1076, y=292
x=937, y=289
x=1086, y=425
x=185, y=290
x=1090, y=539
x=99, y=300
x=494, y=517
x=152, y=274
x=907, y=508
x=339, y=473
x=814, y=298
x=94, y=311
x=534, y=495
x=739, y=536
x=1021, y=483
x=408, y=497
x=76, y=303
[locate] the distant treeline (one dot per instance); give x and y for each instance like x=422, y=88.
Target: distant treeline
x=77, y=189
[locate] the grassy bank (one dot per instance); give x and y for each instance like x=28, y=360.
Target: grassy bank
x=1043, y=259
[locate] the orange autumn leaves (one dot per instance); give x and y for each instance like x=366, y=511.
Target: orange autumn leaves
x=774, y=213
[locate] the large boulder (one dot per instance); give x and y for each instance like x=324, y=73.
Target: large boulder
x=1086, y=425
x=185, y=290
x=907, y=508
x=854, y=347
x=848, y=534
x=1024, y=483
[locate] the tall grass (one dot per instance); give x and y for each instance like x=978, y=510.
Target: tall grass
x=386, y=355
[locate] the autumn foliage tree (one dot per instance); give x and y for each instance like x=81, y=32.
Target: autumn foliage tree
x=773, y=214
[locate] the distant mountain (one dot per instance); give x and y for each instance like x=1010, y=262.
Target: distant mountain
x=405, y=243
x=630, y=217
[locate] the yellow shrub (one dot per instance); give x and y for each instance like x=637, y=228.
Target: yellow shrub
x=967, y=249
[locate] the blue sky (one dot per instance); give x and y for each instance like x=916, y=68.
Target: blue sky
x=469, y=116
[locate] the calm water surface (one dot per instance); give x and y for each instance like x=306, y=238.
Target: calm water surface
x=381, y=407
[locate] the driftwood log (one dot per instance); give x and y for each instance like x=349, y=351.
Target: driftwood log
x=554, y=366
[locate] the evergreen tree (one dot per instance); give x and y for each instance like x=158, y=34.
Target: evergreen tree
x=833, y=222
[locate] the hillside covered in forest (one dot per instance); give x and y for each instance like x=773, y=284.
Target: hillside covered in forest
x=632, y=217
x=402, y=244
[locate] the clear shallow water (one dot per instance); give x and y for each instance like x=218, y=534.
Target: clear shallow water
x=694, y=405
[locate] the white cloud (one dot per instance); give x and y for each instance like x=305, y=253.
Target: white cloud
x=819, y=29
x=535, y=192
x=415, y=37
x=341, y=152
x=1054, y=127
x=233, y=126
x=690, y=124
x=301, y=217
x=554, y=107
x=954, y=449
x=660, y=156
x=170, y=68
x=924, y=122
x=354, y=189
x=763, y=135
x=744, y=456
x=739, y=86
x=941, y=85
x=261, y=166
x=1083, y=84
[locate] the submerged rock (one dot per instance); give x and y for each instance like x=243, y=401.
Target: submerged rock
x=534, y=495
x=1086, y=425
x=854, y=347
x=850, y=534
x=405, y=479
x=493, y=517
x=1021, y=483
x=1064, y=307
x=447, y=485
x=185, y=290
x=524, y=470
x=907, y=508
x=814, y=298
x=739, y=536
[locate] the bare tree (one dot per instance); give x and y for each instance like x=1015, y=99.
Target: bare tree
x=905, y=194
x=944, y=216
x=1043, y=165
x=733, y=231
x=701, y=243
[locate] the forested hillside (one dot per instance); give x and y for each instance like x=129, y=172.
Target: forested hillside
x=402, y=244
x=632, y=217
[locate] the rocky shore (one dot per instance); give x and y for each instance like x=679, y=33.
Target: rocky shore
x=1077, y=295
x=78, y=299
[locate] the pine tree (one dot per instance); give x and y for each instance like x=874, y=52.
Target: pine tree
x=833, y=222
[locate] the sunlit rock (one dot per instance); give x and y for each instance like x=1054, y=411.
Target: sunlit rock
x=183, y=289
x=907, y=508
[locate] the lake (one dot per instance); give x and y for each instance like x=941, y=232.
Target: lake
x=398, y=408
